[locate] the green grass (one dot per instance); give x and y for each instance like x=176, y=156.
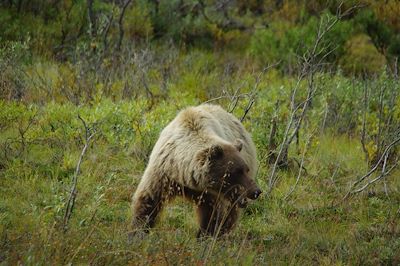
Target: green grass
x=307, y=228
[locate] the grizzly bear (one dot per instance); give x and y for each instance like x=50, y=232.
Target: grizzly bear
x=205, y=155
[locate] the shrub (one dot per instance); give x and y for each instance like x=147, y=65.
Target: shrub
x=283, y=42
x=13, y=58
x=137, y=21
x=362, y=57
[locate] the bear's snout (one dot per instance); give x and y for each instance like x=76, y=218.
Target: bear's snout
x=252, y=190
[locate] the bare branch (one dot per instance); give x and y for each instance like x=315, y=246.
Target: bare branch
x=89, y=134
x=106, y=31
x=254, y=91
x=233, y=98
x=92, y=19
x=309, y=66
x=234, y=101
x=22, y=131
x=383, y=174
x=383, y=159
x=251, y=96
x=120, y=24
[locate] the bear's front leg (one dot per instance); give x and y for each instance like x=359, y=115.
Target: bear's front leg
x=147, y=203
x=145, y=211
x=215, y=216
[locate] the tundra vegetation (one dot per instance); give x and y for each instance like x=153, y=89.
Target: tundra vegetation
x=87, y=86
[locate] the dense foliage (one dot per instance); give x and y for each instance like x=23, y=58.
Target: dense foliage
x=315, y=82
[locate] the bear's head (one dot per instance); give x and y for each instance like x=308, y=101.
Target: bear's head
x=228, y=173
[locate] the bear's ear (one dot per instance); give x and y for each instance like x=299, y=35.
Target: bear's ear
x=238, y=144
x=208, y=154
x=216, y=152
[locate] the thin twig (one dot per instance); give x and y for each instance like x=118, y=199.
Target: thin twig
x=253, y=93
x=120, y=24
x=310, y=65
x=383, y=157
x=232, y=98
x=73, y=192
x=382, y=175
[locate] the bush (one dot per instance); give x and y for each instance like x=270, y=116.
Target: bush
x=13, y=58
x=137, y=21
x=283, y=42
x=361, y=57
x=380, y=33
x=182, y=23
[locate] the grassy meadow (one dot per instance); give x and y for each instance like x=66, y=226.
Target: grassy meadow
x=323, y=111
x=41, y=144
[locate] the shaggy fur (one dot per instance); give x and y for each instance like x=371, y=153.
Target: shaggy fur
x=206, y=156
